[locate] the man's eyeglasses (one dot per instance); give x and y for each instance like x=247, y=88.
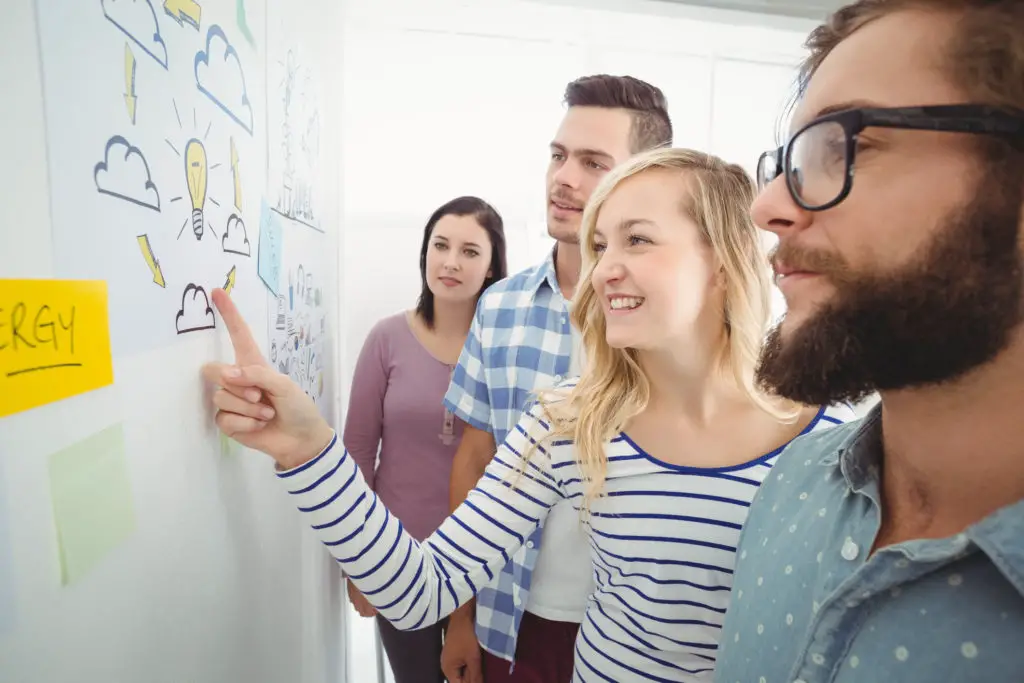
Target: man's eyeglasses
x=818, y=160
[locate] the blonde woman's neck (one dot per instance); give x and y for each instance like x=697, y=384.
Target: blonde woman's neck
x=698, y=389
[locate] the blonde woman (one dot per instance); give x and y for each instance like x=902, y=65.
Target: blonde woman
x=661, y=444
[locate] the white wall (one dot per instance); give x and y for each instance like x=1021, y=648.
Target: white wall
x=448, y=97
x=220, y=579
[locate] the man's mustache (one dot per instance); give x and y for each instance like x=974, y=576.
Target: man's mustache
x=790, y=257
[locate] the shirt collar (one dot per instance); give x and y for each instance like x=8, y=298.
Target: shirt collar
x=853, y=451
x=860, y=455
x=544, y=275
x=1000, y=535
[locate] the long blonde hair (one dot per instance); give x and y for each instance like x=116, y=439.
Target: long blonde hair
x=613, y=388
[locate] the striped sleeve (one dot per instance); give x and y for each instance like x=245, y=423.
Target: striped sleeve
x=414, y=585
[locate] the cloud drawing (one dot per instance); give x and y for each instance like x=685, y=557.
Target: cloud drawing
x=219, y=76
x=124, y=173
x=235, y=240
x=137, y=20
x=196, y=313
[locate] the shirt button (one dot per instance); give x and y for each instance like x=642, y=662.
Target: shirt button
x=529, y=544
x=558, y=378
x=516, y=599
x=564, y=320
x=850, y=550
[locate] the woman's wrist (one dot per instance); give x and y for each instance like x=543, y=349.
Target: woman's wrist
x=313, y=447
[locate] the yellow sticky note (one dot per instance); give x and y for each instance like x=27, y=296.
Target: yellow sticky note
x=54, y=341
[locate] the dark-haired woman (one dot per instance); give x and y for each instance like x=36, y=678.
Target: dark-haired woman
x=395, y=404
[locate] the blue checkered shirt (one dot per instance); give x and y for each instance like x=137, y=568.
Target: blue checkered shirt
x=520, y=342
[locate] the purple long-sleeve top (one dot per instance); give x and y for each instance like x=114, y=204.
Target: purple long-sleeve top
x=395, y=409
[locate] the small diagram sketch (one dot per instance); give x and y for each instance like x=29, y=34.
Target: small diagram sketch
x=124, y=173
x=297, y=328
x=196, y=313
x=235, y=241
x=295, y=152
x=220, y=77
x=280, y=321
x=137, y=20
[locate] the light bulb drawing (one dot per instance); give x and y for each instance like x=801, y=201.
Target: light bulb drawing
x=197, y=168
x=195, y=176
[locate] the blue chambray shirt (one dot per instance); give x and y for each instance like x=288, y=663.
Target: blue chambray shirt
x=520, y=341
x=808, y=605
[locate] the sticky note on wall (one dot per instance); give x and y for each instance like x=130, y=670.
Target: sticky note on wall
x=92, y=502
x=268, y=262
x=54, y=341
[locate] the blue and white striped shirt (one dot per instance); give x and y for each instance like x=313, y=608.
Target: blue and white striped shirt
x=519, y=343
x=663, y=542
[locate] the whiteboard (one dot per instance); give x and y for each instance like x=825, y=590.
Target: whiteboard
x=136, y=544
x=161, y=145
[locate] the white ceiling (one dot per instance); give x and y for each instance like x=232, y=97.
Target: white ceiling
x=808, y=9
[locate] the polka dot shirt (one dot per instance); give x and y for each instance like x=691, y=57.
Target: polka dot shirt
x=808, y=606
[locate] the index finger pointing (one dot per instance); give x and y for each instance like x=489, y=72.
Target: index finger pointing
x=247, y=351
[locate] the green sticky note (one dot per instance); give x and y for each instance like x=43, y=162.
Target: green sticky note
x=92, y=502
x=228, y=446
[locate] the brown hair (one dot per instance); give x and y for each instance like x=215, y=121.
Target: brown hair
x=490, y=220
x=985, y=58
x=651, y=126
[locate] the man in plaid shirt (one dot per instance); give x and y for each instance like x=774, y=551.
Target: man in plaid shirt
x=521, y=340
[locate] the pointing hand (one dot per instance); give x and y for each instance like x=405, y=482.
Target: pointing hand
x=259, y=407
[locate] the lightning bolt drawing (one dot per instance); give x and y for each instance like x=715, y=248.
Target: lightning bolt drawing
x=154, y=265
x=229, y=284
x=184, y=12
x=130, y=99
x=237, y=176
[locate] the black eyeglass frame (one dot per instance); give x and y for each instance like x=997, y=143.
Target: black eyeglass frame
x=978, y=119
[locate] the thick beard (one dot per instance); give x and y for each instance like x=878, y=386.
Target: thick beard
x=941, y=316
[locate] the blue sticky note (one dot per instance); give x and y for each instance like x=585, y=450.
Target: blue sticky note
x=269, y=260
